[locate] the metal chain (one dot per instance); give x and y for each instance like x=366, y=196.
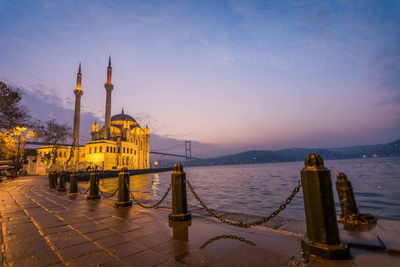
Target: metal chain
x=155, y=206
x=241, y=239
x=102, y=193
x=242, y=224
x=87, y=190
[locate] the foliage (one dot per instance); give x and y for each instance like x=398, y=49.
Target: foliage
x=54, y=133
x=12, y=143
x=8, y=149
x=12, y=113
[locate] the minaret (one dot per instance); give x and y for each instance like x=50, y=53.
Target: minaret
x=78, y=93
x=109, y=87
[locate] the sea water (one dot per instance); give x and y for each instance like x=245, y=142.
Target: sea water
x=258, y=189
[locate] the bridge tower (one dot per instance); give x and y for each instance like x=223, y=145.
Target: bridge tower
x=188, y=150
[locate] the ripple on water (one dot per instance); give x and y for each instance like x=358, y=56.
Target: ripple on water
x=260, y=188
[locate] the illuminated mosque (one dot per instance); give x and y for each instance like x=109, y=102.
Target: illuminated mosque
x=121, y=142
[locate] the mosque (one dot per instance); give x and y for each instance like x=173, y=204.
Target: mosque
x=121, y=142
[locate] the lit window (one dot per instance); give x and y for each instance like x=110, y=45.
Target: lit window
x=90, y=150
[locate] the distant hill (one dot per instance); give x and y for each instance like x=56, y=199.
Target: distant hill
x=298, y=154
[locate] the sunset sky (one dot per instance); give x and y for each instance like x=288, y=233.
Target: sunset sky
x=242, y=74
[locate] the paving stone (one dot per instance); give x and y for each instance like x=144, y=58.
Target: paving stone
x=126, y=249
x=20, y=248
x=59, y=244
x=49, y=224
x=173, y=248
x=172, y=263
x=65, y=239
x=78, y=250
x=76, y=219
x=27, y=236
x=139, y=233
x=89, y=229
x=197, y=258
x=37, y=260
x=154, y=239
x=112, y=264
x=112, y=241
x=53, y=230
x=100, y=234
x=143, y=219
x=125, y=227
x=13, y=228
x=146, y=258
x=93, y=259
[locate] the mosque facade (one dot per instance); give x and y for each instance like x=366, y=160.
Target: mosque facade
x=121, y=142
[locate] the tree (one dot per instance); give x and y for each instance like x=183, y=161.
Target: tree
x=12, y=113
x=12, y=143
x=54, y=133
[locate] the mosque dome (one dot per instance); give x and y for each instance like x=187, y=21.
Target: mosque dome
x=122, y=117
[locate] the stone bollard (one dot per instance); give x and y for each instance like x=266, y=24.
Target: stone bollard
x=322, y=238
x=52, y=180
x=179, y=201
x=94, y=192
x=123, y=189
x=345, y=193
x=61, y=182
x=73, y=184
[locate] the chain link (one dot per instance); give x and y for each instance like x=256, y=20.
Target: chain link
x=102, y=193
x=242, y=224
x=241, y=239
x=87, y=190
x=155, y=206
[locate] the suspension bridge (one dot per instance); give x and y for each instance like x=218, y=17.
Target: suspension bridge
x=187, y=155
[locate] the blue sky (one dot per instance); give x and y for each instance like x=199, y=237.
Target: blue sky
x=241, y=74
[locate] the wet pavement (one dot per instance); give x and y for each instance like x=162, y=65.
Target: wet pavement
x=44, y=227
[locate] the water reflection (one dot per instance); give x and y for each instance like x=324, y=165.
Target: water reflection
x=144, y=186
x=156, y=182
x=234, y=237
x=180, y=229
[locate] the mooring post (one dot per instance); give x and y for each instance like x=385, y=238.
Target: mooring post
x=179, y=201
x=322, y=238
x=94, y=192
x=52, y=180
x=345, y=193
x=123, y=189
x=61, y=183
x=73, y=184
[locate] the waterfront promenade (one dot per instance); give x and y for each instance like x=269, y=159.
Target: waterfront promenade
x=44, y=227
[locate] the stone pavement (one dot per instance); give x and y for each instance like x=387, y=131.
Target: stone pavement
x=44, y=227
